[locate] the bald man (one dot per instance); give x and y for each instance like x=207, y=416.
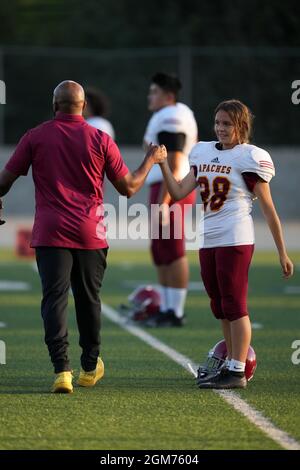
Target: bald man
x=69, y=159
x=69, y=97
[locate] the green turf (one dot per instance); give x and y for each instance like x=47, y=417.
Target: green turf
x=145, y=401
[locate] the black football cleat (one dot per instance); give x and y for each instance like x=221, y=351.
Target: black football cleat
x=204, y=374
x=165, y=319
x=225, y=380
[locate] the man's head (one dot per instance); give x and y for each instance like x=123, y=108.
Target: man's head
x=68, y=97
x=163, y=91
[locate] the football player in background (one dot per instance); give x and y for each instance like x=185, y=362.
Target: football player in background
x=96, y=111
x=173, y=125
x=230, y=174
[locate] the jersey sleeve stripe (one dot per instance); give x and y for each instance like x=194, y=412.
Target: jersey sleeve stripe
x=266, y=165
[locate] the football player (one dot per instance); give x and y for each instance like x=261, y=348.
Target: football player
x=173, y=125
x=96, y=111
x=230, y=173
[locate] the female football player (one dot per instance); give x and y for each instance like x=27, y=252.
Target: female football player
x=230, y=173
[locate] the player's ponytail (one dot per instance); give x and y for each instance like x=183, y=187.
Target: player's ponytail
x=241, y=117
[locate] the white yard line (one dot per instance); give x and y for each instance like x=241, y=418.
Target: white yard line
x=292, y=290
x=133, y=284
x=232, y=398
x=14, y=286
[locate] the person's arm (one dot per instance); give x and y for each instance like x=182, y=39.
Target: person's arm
x=6, y=181
x=263, y=193
x=175, y=162
x=174, y=142
x=1, y=207
x=129, y=184
x=18, y=164
x=178, y=190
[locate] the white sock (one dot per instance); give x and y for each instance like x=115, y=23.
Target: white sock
x=237, y=366
x=227, y=363
x=176, y=300
x=164, y=298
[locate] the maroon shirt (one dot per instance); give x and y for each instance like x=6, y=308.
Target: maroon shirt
x=69, y=160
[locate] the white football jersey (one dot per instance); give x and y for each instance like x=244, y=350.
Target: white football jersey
x=102, y=124
x=175, y=118
x=226, y=197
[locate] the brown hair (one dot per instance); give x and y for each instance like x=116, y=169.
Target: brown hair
x=241, y=117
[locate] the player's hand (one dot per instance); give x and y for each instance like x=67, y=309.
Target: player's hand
x=158, y=153
x=287, y=266
x=1, y=207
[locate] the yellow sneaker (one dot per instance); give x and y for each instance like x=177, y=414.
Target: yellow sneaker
x=63, y=382
x=89, y=379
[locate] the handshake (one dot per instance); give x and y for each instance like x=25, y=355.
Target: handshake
x=157, y=153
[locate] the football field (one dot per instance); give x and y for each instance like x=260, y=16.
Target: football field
x=147, y=400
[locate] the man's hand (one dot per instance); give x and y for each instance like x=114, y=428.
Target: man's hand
x=1, y=207
x=157, y=153
x=132, y=182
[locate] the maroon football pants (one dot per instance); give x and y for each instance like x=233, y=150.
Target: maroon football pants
x=224, y=272
x=167, y=250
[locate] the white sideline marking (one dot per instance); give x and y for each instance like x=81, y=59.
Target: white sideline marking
x=290, y=290
x=34, y=267
x=133, y=284
x=192, y=371
x=125, y=265
x=14, y=286
x=257, y=326
x=2, y=324
x=232, y=398
x=196, y=286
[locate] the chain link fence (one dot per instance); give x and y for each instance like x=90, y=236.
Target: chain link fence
x=261, y=77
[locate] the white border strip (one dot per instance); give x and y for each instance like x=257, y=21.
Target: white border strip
x=232, y=398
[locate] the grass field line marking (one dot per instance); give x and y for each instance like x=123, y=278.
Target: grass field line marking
x=291, y=290
x=232, y=398
x=133, y=284
x=16, y=286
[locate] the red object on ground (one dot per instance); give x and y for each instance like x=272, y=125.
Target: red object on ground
x=23, y=243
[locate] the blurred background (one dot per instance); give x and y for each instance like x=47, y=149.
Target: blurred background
x=225, y=49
